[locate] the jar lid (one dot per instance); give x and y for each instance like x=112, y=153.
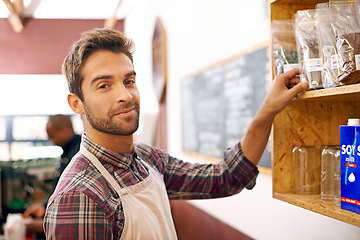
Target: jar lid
x=353, y=121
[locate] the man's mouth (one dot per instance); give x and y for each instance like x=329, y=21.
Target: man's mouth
x=126, y=112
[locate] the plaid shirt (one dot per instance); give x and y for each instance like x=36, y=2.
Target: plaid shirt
x=85, y=206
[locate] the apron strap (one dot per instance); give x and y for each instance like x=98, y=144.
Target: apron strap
x=101, y=168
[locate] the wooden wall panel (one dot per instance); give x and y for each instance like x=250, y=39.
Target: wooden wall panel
x=306, y=123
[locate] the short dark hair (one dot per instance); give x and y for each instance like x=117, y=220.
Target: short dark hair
x=59, y=121
x=90, y=42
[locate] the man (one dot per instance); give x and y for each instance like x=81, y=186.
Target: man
x=118, y=189
x=60, y=131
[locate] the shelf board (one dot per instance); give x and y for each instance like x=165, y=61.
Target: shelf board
x=303, y=2
x=315, y=204
x=341, y=93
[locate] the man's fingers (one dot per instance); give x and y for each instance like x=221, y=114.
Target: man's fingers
x=292, y=73
x=294, y=81
x=301, y=86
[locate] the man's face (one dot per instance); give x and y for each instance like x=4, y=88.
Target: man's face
x=111, y=98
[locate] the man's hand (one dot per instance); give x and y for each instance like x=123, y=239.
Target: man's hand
x=36, y=210
x=282, y=90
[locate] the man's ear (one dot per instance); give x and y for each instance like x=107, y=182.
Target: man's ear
x=75, y=103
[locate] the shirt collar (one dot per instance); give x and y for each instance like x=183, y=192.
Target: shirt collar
x=122, y=160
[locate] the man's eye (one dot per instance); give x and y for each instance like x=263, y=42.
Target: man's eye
x=130, y=81
x=103, y=86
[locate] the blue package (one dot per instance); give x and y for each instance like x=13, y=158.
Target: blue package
x=350, y=157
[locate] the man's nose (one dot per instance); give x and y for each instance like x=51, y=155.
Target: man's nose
x=123, y=94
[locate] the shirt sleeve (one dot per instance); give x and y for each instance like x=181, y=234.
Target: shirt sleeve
x=73, y=215
x=199, y=181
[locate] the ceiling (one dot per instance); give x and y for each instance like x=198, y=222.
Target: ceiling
x=73, y=9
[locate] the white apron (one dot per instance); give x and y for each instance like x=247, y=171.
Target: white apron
x=145, y=204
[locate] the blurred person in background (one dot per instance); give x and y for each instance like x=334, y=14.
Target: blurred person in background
x=61, y=133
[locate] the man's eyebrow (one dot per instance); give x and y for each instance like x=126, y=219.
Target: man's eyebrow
x=130, y=74
x=100, y=77
x=110, y=77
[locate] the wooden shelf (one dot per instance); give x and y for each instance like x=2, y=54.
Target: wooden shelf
x=342, y=93
x=315, y=204
x=311, y=119
x=285, y=9
x=295, y=2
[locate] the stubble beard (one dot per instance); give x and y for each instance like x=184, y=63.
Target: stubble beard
x=108, y=125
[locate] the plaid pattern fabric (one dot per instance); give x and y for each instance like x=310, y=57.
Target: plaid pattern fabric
x=84, y=205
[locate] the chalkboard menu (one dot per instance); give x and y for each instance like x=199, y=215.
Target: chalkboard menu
x=219, y=103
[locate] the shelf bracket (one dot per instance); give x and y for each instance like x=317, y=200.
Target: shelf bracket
x=15, y=17
x=111, y=22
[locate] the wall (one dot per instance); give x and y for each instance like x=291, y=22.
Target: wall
x=201, y=33
x=43, y=44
